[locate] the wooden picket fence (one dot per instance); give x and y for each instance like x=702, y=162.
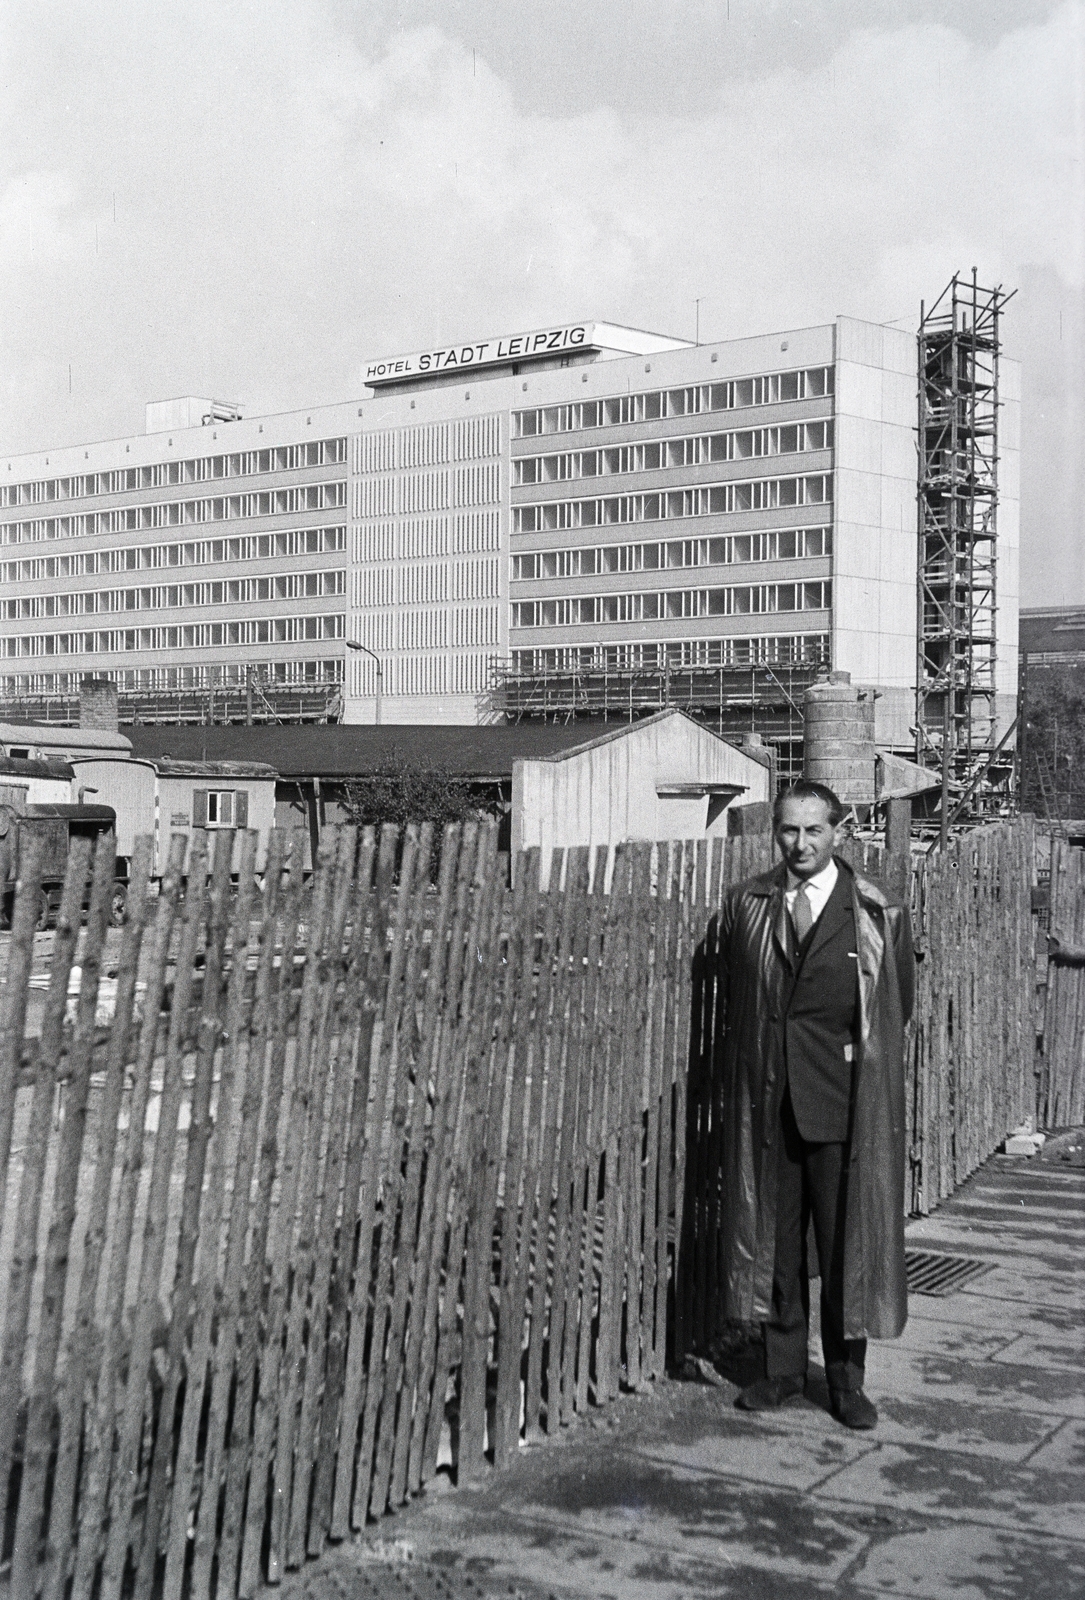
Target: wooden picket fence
x=1062, y=1082
x=377, y=1174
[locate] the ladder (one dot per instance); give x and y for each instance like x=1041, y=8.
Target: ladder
x=1048, y=794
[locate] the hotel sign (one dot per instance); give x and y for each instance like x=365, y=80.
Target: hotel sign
x=533, y=346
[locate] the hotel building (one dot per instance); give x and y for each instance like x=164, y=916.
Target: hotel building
x=582, y=498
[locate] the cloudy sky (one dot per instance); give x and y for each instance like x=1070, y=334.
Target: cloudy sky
x=247, y=198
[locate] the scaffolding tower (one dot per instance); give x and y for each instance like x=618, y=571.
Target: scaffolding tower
x=958, y=514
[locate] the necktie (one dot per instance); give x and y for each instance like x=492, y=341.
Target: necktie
x=801, y=914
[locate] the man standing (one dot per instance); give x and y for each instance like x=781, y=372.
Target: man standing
x=817, y=976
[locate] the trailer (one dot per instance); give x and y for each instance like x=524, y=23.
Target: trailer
x=55, y=825
x=161, y=797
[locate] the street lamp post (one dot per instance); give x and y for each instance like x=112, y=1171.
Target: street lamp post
x=351, y=644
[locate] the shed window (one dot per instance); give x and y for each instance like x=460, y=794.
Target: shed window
x=220, y=808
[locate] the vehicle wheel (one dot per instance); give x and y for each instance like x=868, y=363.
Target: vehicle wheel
x=45, y=911
x=118, y=911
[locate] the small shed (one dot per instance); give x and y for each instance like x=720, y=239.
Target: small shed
x=45, y=782
x=162, y=797
x=665, y=777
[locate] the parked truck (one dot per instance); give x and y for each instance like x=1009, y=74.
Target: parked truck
x=55, y=825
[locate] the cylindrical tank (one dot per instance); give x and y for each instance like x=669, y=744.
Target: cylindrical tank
x=838, y=739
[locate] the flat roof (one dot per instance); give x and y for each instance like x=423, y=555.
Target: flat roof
x=324, y=750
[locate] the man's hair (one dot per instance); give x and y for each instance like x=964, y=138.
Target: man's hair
x=806, y=789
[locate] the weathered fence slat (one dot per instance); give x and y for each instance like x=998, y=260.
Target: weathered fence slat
x=24, y=1258
x=81, y=1368
x=460, y=962
x=549, y=1061
x=105, y=1379
x=215, y=1211
x=13, y=997
x=39, y=1432
x=128, y=1468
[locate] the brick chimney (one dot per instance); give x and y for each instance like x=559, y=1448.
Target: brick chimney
x=98, y=704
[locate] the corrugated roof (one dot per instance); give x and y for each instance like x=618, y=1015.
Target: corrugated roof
x=341, y=751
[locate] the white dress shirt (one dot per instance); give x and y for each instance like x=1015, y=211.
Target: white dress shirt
x=818, y=889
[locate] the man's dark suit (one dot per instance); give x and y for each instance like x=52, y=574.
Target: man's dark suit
x=820, y=1027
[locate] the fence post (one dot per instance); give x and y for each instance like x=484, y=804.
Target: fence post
x=898, y=837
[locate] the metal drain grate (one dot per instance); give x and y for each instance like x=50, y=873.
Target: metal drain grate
x=933, y=1274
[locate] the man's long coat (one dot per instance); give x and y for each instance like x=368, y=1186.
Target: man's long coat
x=754, y=981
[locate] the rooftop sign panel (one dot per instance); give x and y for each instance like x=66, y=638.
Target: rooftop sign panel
x=537, y=345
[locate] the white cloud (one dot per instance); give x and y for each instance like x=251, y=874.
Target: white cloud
x=288, y=204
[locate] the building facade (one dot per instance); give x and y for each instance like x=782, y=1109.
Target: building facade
x=586, y=496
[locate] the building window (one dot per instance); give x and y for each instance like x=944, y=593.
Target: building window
x=287, y=458
x=702, y=500
x=774, y=544
x=772, y=388
x=220, y=808
x=656, y=455
x=740, y=601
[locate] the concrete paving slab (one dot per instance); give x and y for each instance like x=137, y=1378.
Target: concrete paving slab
x=901, y=1371
x=996, y=1432
x=968, y=1340
x=970, y=1563
x=962, y=1487
x=972, y=1308
x=1064, y=1451
x=742, y=1447
x=1060, y=1349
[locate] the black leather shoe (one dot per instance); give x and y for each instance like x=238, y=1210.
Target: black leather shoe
x=853, y=1409
x=768, y=1393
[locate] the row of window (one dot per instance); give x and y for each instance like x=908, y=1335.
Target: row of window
x=429, y=444
x=174, y=513
x=425, y=583
x=457, y=627
x=709, y=499
x=775, y=544
x=445, y=487
x=191, y=636
x=220, y=675
x=412, y=537
x=234, y=591
x=738, y=601
x=195, y=553
x=771, y=388
x=284, y=458
x=692, y=450
x=737, y=650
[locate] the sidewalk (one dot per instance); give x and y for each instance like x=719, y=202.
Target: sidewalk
x=972, y=1487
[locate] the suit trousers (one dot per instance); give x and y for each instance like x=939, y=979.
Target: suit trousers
x=812, y=1183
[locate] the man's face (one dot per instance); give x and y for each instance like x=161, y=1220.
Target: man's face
x=805, y=835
